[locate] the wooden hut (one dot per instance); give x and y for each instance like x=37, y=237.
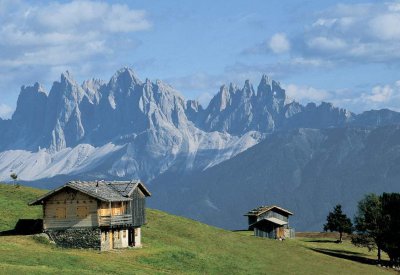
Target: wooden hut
x=270, y=222
x=95, y=214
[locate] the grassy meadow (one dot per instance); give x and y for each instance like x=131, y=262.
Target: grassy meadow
x=175, y=245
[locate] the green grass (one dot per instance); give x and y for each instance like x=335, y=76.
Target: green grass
x=14, y=204
x=176, y=245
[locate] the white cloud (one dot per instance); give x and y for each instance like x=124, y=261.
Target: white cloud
x=38, y=40
x=327, y=44
x=196, y=82
x=394, y=6
x=378, y=97
x=386, y=26
x=354, y=33
x=345, y=33
x=379, y=94
x=5, y=111
x=306, y=94
x=279, y=43
x=66, y=34
x=78, y=15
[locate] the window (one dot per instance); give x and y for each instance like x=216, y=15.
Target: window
x=116, y=208
x=124, y=234
x=61, y=213
x=82, y=211
x=118, y=231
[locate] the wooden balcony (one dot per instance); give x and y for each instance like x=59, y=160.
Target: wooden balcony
x=115, y=220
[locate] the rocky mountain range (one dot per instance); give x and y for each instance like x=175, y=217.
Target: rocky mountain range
x=306, y=170
x=127, y=128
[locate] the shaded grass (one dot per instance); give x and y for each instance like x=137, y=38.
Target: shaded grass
x=14, y=205
x=176, y=245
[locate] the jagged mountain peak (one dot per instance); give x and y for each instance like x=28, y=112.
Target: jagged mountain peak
x=93, y=82
x=233, y=87
x=125, y=105
x=165, y=86
x=66, y=88
x=151, y=126
x=37, y=88
x=265, y=79
x=247, y=84
x=193, y=104
x=30, y=98
x=125, y=77
x=92, y=89
x=331, y=107
x=66, y=77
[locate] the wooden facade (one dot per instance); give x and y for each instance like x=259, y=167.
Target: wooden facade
x=270, y=222
x=116, y=210
x=70, y=208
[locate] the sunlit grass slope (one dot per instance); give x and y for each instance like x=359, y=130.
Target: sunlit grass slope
x=174, y=245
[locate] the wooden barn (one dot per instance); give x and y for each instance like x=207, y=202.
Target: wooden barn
x=95, y=214
x=270, y=222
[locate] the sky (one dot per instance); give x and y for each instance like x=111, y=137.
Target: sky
x=344, y=52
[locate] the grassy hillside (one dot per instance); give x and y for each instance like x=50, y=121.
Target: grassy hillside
x=175, y=245
x=14, y=204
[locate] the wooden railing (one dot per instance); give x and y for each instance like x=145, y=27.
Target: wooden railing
x=115, y=220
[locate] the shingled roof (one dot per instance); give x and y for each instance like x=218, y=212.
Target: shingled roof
x=108, y=191
x=262, y=209
x=267, y=220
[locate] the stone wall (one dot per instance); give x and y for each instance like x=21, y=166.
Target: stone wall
x=76, y=238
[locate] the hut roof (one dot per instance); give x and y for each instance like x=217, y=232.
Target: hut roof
x=108, y=191
x=262, y=209
x=267, y=220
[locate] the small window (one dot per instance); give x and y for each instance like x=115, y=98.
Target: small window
x=136, y=232
x=124, y=234
x=82, y=211
x=61, y=213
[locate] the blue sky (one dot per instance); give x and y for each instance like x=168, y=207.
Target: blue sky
x=345, y=52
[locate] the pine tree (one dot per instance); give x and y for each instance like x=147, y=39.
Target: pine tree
x=338, y=221
x=369, y=224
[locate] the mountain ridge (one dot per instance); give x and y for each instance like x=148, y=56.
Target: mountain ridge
x=140, y=121
x=305, y=170
x=128, y=128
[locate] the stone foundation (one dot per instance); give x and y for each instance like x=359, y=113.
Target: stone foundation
x=76, y=238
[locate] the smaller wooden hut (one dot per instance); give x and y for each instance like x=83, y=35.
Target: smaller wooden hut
x=270, y=222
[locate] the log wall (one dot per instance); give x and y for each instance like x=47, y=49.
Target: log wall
x=69, y=209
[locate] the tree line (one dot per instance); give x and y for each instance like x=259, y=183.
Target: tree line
x=376, y=224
